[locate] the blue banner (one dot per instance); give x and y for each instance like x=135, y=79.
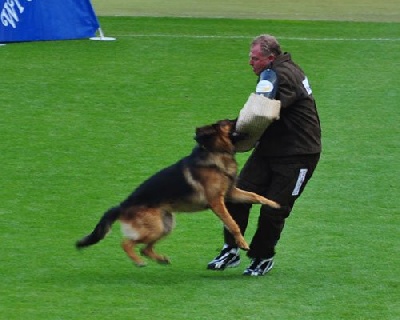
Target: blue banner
x=34, y=20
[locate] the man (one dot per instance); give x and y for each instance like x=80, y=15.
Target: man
x=282, y=162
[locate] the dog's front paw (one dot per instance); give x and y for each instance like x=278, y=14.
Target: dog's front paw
x=242, y=244
x=270, y=203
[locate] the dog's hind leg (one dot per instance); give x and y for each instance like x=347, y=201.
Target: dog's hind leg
x=219, y=208
x=148, y=251
x=129, y=246
x=161, y=227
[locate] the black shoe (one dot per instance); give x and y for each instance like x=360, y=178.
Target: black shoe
x=228, y=258
x=259, y=267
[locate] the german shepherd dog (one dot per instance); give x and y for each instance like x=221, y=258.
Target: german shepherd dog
x=204, y=179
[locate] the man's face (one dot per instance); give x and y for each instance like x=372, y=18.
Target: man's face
x=257, y=60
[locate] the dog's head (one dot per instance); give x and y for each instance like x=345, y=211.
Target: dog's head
x=220, y=136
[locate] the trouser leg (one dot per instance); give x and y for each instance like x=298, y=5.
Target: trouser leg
x=269, y=228
x=252, y=178
x=288, y=179
x=270, y=225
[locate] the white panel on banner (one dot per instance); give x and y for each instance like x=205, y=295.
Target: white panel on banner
x=33, y=20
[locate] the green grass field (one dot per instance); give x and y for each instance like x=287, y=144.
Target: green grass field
x=84, y=122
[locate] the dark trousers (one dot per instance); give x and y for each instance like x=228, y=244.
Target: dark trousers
x=281, y=179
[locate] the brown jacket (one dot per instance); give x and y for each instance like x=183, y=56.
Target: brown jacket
x=298, y=130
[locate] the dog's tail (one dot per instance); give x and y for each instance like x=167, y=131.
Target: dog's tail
x=101, y=229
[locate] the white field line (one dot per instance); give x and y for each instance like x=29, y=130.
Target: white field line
x=248, y=37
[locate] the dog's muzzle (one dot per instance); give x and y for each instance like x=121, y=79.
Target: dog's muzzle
x=237, y=136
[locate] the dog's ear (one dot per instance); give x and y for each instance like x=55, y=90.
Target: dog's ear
x=204, y=134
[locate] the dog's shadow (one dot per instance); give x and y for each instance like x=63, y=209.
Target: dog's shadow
x=115, y=271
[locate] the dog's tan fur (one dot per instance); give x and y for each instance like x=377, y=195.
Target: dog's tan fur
x=204, y=179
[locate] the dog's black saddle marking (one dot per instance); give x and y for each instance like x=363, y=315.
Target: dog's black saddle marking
x=167, y=184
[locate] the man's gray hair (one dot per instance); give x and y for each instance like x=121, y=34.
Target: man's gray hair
x=268, y=44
